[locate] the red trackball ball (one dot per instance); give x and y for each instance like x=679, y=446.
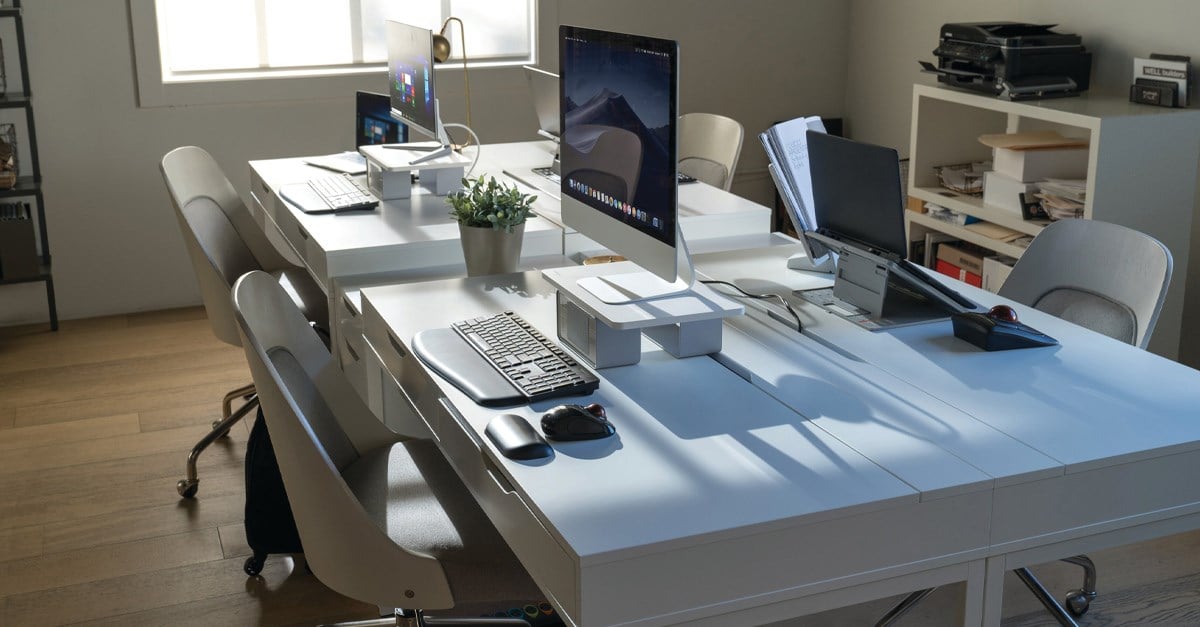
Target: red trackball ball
x=1003, y=312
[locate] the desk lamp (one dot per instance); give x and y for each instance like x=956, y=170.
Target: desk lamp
x=441, y=52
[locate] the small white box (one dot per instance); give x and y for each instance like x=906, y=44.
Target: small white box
x=1004, y=192
x=995, y=270
x=1036, y=165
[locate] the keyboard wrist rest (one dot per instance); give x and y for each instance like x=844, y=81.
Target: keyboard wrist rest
x=451, y=357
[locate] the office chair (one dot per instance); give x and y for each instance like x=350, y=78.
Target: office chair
x=709, y=147
x=383, y=518
x=224, y=243
x=1101, y=276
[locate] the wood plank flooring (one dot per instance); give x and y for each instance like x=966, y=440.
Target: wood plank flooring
x=95, y=425
x=96, y=422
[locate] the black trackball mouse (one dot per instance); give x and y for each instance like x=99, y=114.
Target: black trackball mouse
x=576, y=422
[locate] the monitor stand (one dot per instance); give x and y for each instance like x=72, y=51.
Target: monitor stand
x=634, y=287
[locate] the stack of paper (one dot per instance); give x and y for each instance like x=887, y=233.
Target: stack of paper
x=786, y=144
x=1063, y=198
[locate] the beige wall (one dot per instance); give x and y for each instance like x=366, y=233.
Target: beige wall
x=887, y=38
x=115, y=243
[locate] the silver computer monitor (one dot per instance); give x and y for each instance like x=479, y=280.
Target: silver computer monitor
x=619, y=109
x=411, y=91
x=543, y=86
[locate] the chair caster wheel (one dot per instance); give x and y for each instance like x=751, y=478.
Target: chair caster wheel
x=187, y=489
x=254, y=565
x=1078, y=602
x=215, y=423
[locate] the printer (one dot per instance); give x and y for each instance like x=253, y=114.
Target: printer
x=1011, y=60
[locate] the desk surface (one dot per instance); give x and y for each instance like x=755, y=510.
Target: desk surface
x=706, y=468
x=792, y=460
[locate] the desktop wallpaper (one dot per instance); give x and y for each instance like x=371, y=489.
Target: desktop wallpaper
x=618, y=144
x=410, y=75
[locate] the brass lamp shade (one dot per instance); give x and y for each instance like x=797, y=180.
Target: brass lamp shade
x=441, y=46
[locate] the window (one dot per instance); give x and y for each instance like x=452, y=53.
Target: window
x=178, y=62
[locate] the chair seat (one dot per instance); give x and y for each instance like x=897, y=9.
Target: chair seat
x=411, y=491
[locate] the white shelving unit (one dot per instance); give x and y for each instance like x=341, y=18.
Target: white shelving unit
x=1142, y=169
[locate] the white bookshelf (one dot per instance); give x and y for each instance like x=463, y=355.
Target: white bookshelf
x=1142, y=169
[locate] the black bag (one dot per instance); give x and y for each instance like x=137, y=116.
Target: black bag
x=270, y=526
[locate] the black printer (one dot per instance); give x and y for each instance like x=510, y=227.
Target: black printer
x=1012, y=60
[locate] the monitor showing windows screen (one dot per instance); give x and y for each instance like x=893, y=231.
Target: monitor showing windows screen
x=373, y=121
x=618, y=108
x=410, y=77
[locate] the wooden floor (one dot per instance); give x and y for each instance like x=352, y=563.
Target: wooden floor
x=95, y=425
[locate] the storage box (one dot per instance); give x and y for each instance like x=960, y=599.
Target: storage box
x=1036, y=165
x=964, y=265
x=995, y=270
x=1004, y=192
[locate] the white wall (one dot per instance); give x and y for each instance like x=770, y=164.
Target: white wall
x=115, y=243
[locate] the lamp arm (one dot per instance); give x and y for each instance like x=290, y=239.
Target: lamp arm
x=466, y=79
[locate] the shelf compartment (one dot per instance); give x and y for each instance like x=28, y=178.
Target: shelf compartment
x=973, y=206
x=966, y=235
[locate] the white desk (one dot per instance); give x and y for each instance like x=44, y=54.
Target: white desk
x=1089, y=444
x=418, y=232
x=794, y=473
x=714, y=504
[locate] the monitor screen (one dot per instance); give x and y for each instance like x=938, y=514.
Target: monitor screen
x=373, y=121
x=543, y=86
x=618, y=108
x=410, y=76
x=857, y=196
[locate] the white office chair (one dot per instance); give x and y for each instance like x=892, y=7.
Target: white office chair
x=224, y=243
x=383, y=519
x=709, y=147
x=1107, y=278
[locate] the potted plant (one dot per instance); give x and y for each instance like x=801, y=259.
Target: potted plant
x=491, y=222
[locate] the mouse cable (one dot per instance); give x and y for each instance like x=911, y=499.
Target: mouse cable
x=787, y=305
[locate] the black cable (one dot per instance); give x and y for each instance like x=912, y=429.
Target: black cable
x=786, y=305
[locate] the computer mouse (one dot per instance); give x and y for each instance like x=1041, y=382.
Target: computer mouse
x=576, y=422
x=1002, y=312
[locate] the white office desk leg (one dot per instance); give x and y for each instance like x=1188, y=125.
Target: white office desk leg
x=976, y=593
x=993, y=590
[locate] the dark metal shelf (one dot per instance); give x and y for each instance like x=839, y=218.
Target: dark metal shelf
x=26, y=186
x=10, y=11
x=42, y=275
x=15, y=100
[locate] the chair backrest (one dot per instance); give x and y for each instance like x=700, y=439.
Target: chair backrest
x=318, y=427
x=1102, y=276
x=709, y=147
x=222, y=238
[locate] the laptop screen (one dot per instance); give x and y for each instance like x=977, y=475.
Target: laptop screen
x=373, y=122
x=857, y=193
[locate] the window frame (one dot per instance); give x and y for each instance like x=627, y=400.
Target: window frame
x=250, y=86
